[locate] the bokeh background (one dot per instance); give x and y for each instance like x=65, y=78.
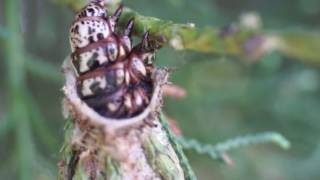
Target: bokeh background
x=227, y=96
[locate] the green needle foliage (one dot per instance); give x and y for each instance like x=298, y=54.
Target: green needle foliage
x=5, y=125
x=217, y=151
x=43, y=69
x=3, y=33
x=188, y=172
x=17, y=106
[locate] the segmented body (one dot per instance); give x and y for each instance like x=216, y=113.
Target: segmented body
x=113, y=78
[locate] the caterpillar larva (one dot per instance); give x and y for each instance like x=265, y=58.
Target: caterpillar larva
x=113, y=77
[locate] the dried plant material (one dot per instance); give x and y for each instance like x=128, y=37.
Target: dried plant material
x=174, y=91
x=96, y=138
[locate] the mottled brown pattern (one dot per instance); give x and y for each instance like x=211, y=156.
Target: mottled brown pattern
x=113, y=78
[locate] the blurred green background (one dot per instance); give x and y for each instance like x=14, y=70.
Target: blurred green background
x=227, y=96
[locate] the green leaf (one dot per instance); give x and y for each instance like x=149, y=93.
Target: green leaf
x=6, y=124
x=39, y=123
x=4, y=34
x=43, y=69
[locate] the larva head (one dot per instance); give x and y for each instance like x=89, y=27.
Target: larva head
x=94, y=8
x=90, y=25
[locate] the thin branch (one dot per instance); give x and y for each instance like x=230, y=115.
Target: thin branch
x=189, y=174
x=301, y=44
x=245, y=42
x=242, y=41
x=217, y=151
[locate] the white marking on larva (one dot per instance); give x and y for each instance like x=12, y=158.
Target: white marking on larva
x=119, y=76
x=101, y=56
x=102, y=81
x=137, y=98
x=85, y=89
x=121, y=53
x=112, y=107
x=83, y=64
x=139, y=66
x=86, y=84
x=86, y=56
x=127, y=77
x=127, y=101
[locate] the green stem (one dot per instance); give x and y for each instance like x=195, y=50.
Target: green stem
x=188, y=172
x=16, y=86
x=243, y=42
x=302, y=45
